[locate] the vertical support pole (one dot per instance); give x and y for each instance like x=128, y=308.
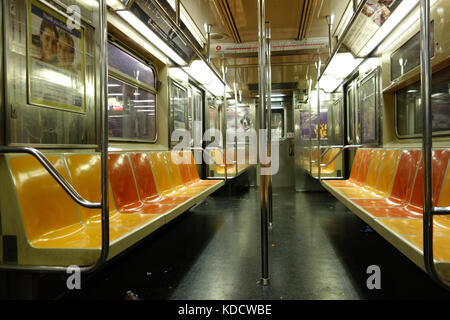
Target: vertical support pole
x=177, y=12
x=330, y=23
x=208, y=43
x=263, y=178
x=269, y=118
x=427, y=141
x=224, y=120
x=235, y=126
x=104, y=135
x=319, y=154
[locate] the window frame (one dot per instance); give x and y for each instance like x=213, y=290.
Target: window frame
x=376, y=75
x=442, y=133
x=283, y=137
x=118, y=75
x=172, y=82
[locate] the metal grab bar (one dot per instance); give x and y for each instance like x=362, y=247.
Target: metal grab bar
x=67, y=187
x=441, y=210
x=104, y=162
x=427, y=143
x=337, y=154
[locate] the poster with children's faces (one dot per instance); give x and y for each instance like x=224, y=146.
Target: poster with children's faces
x=55, y=60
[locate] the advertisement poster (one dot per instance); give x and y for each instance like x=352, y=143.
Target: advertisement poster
x=374, y=15
x=55, y=60
x=323, y=125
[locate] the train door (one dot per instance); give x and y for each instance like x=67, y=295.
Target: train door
x=177, y=110
x=195, y=123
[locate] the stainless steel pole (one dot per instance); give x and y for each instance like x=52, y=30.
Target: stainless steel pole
x=427, y=142
x=329, y=22
x=208, y=43
x=269, y=119
x=235, y=127
x=104, y=130
x=177, y=12
x=319, y=155
x=263, y=178
x=427, y=133
x=224, y=121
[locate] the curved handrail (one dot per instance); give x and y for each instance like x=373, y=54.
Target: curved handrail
x=339, y=152
x=427, y=143
x=67, y=187
x=342, y=148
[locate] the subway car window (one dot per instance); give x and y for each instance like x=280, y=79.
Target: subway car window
x=368, y=105
x=178, y=110
x=409, y=110
x=277, y=123
x=131, y=98
x=132, y=111
x=406, y=57
x=130, y=66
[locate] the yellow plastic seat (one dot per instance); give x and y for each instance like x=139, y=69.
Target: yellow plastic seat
x=163, y=179
x=48, y=213
x=369, y=190
x=189, y=174
x=176, y=180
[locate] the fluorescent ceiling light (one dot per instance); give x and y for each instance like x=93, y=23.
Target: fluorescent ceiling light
x=115, y=4
x=329, y=83
x=189, y=23
x=399, y=14
x=201, y=72
x=150, y=35
x=123, y=26
x=339, y=68
x=216, y=88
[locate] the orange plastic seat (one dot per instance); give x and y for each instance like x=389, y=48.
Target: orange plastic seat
x=189, y=172
x=163, y=179
x=124, y=189
x=85, y=174
x=367, y=190
x=402, y=187
x=221, y=162
x=146, y=183
x=176, y=180
x=380, y=179
x=414, y=208
x=362, y=155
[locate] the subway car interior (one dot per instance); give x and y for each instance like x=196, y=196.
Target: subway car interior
x=224, y=149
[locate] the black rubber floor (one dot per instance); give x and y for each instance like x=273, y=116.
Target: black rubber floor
x=318, y=250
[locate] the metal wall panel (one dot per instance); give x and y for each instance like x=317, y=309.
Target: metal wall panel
x=42, y=126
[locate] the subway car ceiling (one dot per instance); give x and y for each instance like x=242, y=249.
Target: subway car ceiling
x=234, y=37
